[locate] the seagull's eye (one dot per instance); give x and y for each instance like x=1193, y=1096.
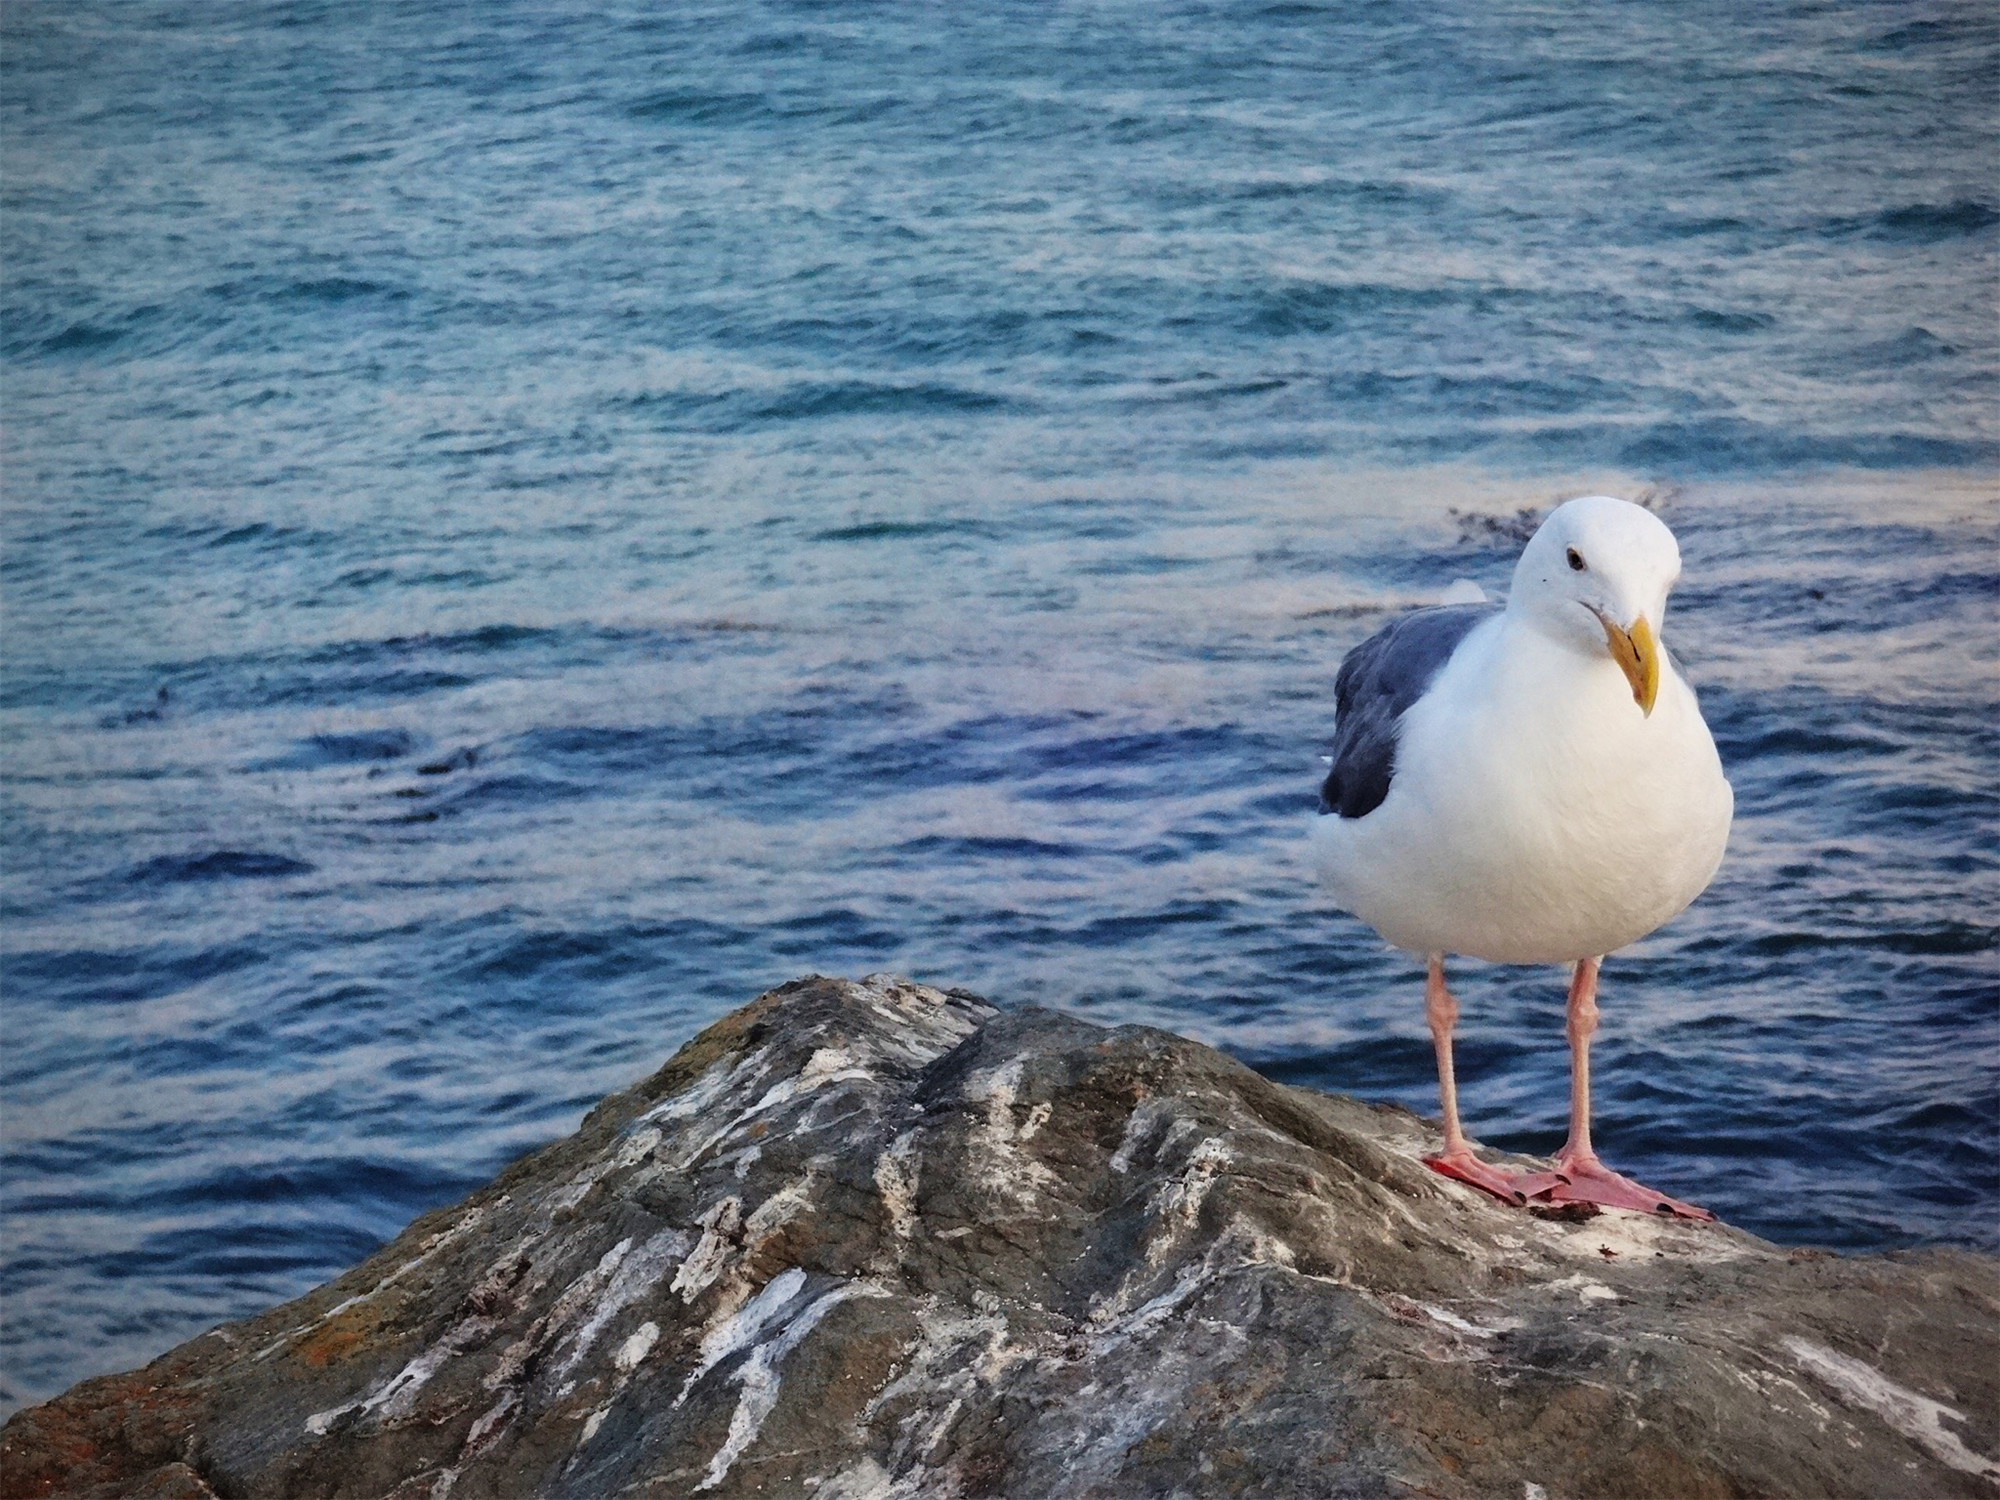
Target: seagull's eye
x=1575, y=560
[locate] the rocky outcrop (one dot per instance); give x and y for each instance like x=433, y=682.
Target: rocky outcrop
x=874, y=1240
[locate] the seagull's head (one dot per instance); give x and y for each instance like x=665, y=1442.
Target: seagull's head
x=1596, y=576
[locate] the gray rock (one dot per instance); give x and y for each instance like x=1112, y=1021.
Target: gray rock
x=874, y=1240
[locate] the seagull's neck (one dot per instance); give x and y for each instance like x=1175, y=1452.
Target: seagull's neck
x=1555, y=674
x=1525, y=629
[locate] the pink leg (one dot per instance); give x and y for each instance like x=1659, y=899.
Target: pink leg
x=1579, y=1176
x=1457, y=1160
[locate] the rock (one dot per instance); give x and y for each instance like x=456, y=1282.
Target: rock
x=875, y=1240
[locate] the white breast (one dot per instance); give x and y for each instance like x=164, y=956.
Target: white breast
x=1536, y=815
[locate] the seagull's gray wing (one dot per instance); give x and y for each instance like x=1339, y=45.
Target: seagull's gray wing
x=1381, y=678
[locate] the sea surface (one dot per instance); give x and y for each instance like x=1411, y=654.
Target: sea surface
x=526, y=525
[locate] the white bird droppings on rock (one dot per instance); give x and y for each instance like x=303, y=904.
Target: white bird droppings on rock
x=720, y=1226
x=759, y=1379
x=896, y=1180
x=743, y=1325
x=703, y=1092
x=1586, y=1289
x=1916, y=1417
x=633, y=1279
x=637, y=1347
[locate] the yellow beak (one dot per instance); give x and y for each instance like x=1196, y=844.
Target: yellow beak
x=1638, y=657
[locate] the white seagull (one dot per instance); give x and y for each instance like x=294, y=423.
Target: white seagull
x=1529, y=784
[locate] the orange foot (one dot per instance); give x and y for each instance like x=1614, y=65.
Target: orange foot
x=1585, y=1179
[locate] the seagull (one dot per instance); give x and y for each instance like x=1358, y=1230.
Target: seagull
x=1530, y=783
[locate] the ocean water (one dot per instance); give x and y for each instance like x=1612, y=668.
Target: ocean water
x=527, y=525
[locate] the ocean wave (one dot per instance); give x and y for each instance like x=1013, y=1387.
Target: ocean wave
x=220, y=864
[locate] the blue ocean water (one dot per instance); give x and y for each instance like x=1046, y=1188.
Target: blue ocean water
x=526, y=525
